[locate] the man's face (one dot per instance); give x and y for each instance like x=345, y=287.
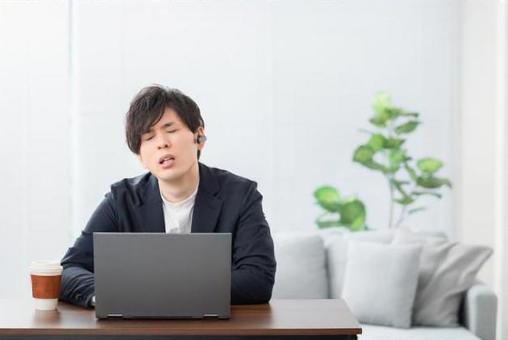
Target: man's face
x=168, y=150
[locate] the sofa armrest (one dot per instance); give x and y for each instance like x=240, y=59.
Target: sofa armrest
x=480, y=311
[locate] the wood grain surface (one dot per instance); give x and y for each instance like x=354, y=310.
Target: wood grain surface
x=279, y=317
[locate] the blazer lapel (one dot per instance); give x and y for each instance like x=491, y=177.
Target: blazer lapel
x=150, y=208
x=208, y=205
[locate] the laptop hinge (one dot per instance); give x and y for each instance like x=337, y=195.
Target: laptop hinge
x=115, y=315
x=210, y=315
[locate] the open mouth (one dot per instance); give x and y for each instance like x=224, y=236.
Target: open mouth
x=166, y=160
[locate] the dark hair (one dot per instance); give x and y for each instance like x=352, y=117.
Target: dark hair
x=148, y=107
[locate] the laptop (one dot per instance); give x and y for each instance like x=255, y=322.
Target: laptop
x=162, y=276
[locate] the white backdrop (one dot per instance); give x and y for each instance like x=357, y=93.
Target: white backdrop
x=35, y=174
x=283, y=87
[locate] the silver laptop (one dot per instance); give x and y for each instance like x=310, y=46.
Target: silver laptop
x=167, y=276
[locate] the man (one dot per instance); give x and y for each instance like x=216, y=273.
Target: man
x=165, y=130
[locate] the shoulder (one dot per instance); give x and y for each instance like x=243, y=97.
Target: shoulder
x=227, y=182
x=132, y=187
x=225, y=177
x=132, y=183
x=237, y=192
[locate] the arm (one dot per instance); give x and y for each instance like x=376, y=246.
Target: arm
x=480, y=309
x=77, y=276
x=253, y=267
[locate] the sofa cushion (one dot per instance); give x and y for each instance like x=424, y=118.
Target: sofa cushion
x=447, y=271
x=380, y=282
x=301, y=270
x=370, y=332
x=336, y=243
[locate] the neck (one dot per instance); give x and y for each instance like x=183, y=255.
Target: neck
x=178, y=190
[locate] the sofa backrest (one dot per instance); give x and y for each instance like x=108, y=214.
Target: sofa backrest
x=311, y=265
x=301, y=267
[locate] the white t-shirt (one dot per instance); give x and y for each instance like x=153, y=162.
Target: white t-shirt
x=178, y=216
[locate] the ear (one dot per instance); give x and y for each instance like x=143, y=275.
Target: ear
x=201, y=132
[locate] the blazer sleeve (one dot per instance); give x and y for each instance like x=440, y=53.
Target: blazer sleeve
x=253, y=262
x=77, y=277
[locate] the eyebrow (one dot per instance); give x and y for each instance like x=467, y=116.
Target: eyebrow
x=168, y=124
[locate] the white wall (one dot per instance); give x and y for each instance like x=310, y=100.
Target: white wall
x=283, y=86
x=34, y=133
x=484, y=181
x=478, y=180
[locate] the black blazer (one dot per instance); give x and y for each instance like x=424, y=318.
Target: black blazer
x=225, y=203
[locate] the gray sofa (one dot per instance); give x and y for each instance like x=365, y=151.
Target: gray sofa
x=311, y=266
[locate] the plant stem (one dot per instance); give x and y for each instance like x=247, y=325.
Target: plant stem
x=401, y=217
x=390, y=221
x=390, y=218
x=404, y=208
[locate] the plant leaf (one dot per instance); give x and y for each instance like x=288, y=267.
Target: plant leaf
x=429, y=165
x=393, y=143
x=328, y=224
x=376, y=142
x=410, y=114
x=407, y=127
x=406, y=200
x=352, y=214
x=381, y=102
x=433, y=182
x=402, y=182
x=422, y=193
x=396, y=157
x=412, y=211
x=376, y=166
x=328, y=198
x=363, y=154
x=379, y=120
x=393, y=112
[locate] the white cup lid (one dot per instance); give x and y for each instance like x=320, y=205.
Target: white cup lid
x=45, y=266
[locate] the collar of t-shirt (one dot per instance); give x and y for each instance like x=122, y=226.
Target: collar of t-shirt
x=178, y=216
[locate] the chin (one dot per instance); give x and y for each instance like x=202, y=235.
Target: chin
x=169, y=175
x=166, y=175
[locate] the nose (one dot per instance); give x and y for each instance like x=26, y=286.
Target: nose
x=162, y=142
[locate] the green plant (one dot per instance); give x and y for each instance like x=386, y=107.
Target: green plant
x=348, y=212
x=384, y=152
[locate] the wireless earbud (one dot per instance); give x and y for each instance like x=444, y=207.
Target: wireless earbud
x=200, y=139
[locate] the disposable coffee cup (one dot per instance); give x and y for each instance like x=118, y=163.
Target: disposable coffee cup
x=46, y=278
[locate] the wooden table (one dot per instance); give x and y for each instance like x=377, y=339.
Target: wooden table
x=281, y=319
